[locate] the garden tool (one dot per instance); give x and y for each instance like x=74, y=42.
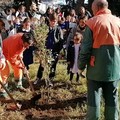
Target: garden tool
x=31, y=85
x=28, y=78
x=17, y=106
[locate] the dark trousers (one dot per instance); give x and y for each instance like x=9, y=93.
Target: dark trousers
x=109, y=90
x=53, y=66
x=72, y=74
x=40, y=72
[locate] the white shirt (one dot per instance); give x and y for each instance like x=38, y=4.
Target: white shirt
x=75, y=66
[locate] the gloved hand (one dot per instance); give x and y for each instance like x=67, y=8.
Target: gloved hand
x=2, y=63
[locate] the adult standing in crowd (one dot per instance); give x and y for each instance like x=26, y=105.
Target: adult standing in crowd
x=100, y=51
x=2, y=58
x=13, y=48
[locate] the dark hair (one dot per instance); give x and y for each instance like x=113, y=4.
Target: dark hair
x=25, y=20
x=3, y=24
x=82, y=17
x=52, y=17
x=27, y=37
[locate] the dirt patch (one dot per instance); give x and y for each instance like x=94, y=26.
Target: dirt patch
x=54, y=106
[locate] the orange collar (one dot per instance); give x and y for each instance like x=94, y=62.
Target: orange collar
x=103, y=11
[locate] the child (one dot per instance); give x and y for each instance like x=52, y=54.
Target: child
x=72, y=55
x=54, y=42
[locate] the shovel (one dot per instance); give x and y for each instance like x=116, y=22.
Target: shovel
x=17, y=106
x=30, y=83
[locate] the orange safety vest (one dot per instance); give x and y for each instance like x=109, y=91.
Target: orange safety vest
x=13, y=49
x=105, y=31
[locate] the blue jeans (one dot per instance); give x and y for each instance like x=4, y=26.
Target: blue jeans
x=109, y=90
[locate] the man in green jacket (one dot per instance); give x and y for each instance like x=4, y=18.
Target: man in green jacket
x=100, y=53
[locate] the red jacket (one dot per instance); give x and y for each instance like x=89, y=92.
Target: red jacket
x=13, y=49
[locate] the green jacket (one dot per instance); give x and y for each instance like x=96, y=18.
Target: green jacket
x=106, y=66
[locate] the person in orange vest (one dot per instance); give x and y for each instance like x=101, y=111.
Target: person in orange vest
x=13, y=48
x=100, y=53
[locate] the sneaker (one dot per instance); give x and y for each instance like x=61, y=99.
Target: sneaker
x=21, y=89
x=50, y=84
x=4, y=96
x=78, y=82
x=68, y=81
x=37, y=81
x=82, y=75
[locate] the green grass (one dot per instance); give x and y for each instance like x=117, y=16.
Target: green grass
x=68, y=98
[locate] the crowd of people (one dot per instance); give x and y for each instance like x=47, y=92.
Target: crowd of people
x=89, y=42
x=63, y=27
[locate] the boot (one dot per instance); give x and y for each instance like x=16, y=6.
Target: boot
x=19, y=86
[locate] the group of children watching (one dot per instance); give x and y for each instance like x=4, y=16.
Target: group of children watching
x=65, y=32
